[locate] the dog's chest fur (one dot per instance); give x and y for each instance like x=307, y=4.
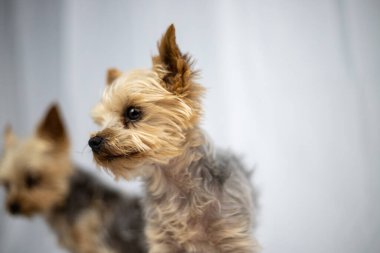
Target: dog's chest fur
x=197, y=202
x=95, y=218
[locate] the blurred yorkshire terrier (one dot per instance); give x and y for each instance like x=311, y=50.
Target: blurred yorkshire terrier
x=86, y=215
x=199, y=200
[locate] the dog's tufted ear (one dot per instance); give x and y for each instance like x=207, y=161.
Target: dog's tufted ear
x=52, y=128
x=10, y=138
x=173, y=66
x=112, y=75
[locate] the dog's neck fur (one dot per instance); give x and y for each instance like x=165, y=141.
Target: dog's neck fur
x=75, y=181
x=105, y=216
x=184, y=196
x=190, y=176
x=176, y=171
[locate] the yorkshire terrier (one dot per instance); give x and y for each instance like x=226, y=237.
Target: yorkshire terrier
x=86, y=215
x=199, y=200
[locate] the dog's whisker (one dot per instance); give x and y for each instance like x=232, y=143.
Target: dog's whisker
x=187, y=181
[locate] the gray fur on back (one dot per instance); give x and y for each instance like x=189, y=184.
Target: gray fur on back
x=122, y=215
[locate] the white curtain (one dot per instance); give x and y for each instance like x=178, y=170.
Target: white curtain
x=293, y=86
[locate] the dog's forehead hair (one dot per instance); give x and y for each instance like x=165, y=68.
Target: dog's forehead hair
x=141, y=85
x=25, y=155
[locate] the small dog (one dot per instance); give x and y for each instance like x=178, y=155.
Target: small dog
x=87, y=216
x=198, y=200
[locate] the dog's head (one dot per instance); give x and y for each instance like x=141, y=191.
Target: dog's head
x=146, y=115
x=34, y=172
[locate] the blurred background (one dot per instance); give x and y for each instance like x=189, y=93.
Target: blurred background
x=293, y=86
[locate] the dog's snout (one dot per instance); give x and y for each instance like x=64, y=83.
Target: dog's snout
x=14, y=208
x=96, y=143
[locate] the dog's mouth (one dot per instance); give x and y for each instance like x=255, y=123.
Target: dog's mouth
x=104, y=156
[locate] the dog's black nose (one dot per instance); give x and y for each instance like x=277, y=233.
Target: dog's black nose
x=14, y=208
x=96, y=143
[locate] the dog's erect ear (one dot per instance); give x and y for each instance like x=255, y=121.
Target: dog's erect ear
x=112, y=75
x=177, y=66
x=51, y=127
x=10, y=138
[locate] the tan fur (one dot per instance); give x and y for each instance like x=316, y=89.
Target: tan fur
x=46, y=155
x=112, y=75
x=83, y=236
x=145, y=141
x=43, y=154
x=193, y=204
x=9, y=138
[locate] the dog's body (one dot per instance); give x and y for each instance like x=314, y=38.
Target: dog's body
x=92, y=218
x=206, y=207
x=198, y=200
x=86, y=215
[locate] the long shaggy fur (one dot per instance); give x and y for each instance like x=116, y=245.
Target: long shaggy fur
x=198, y=200
x=86, y=215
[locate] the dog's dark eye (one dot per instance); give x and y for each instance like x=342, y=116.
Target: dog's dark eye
x=132, y=113
x=6, y=185
x=32, y=180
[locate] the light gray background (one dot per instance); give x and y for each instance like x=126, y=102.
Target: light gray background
x=293, y=86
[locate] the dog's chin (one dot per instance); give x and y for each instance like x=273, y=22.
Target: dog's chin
x=31, y=213
x=104, y=158
x=125, y=166
x=25, y=212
